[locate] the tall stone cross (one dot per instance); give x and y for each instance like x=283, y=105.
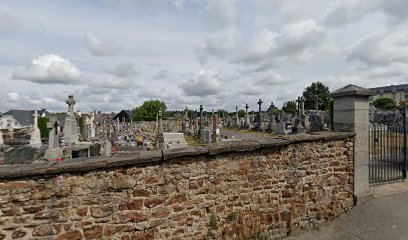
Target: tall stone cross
x=298, y=106
x=35, y=119
x=302, y=105
x=236, y=117
x=201, y=118
x=71, y=102
x=317, y=99
x=259, y=113
x=246, y=110
x=260, y=103
x=56, y=127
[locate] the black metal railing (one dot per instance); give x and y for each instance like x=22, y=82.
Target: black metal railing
x=387, y=153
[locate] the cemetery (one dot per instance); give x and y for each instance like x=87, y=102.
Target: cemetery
x=279, y=173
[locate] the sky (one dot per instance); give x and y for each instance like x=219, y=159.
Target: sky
x=116, y=54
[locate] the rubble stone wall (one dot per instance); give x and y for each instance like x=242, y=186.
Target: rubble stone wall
x=236, y=190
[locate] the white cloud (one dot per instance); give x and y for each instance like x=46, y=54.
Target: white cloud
x=13, y=96
x=99, y=48
x=111, y=82
x=206, y=83
x=49, y=68
x=345, y=12
x=8, y=23
x=294, y=42
x=381, y=48
x=220, y=13
x=161, y=74
x=125, y=70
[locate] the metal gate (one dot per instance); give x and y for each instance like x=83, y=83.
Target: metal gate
x=387, y=153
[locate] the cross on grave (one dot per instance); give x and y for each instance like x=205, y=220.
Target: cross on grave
x=201, y=119
x=236, y=117
x=300, y=106
x=35, y=115
x=317, y=99
x=259, y=115
x=56, y=127
x=71, y=102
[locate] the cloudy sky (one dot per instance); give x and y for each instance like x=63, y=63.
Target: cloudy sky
x=115, y=54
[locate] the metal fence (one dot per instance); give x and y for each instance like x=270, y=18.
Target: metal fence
x=387, y=153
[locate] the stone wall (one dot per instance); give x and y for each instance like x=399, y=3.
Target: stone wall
x=232, y=190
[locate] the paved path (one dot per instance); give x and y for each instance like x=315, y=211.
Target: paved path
x=385, y=217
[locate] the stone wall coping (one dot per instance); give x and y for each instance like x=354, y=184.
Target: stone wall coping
x=351, y=90
x=159, y=156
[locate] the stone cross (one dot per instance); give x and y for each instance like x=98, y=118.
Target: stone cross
x=35, y=136
x=35, y=119
x=317, y=99
x=246, y=110
x=56, y=127
x=259, y=116
x=71, y=102
x=236, y=117
x=302, y=105
x=53, y=141
x=201, y=119
x=216, y=130
x=298, y=107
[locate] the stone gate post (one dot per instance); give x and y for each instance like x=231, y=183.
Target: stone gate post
x=351, y=114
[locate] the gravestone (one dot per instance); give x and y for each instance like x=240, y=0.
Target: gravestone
x=316, y=122
x=258, y=119
x=174, y=140
x=71, y=126
x=53, y=138
x=1, y=138
x=160, y=139
x=247, y=120
x=215, y=130
x=201, y=120
x=54, y=151
x=35, y=137
x=272, y=124
x=297, y=127
x=236, y=117
x=205, y=136
x=281, y=126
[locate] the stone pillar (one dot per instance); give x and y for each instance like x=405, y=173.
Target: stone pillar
x=35, y=136
x=200, y=129
x=1, y=138
x=351, y=115
x=160, y=138
x=259, y=115
x=236, y=117
x=216, y=130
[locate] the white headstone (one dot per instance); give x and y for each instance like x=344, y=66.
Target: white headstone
x=108, y=148
x=53, y=139
x=70, y=127
x=35, y=137
x=1, y=138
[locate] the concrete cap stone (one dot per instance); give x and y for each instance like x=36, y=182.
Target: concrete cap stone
x=351, y=90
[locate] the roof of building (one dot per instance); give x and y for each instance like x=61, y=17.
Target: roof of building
x=123, y=114
x=391, y=88
x=24, y=117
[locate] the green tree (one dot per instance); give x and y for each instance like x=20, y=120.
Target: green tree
x=42, y=125
x=81, y=123
x=148, y=110
x=273, y=108
x=222, y=113
x=385, y=103
x=289, y=107
x=316, y=90
x=241, y=113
